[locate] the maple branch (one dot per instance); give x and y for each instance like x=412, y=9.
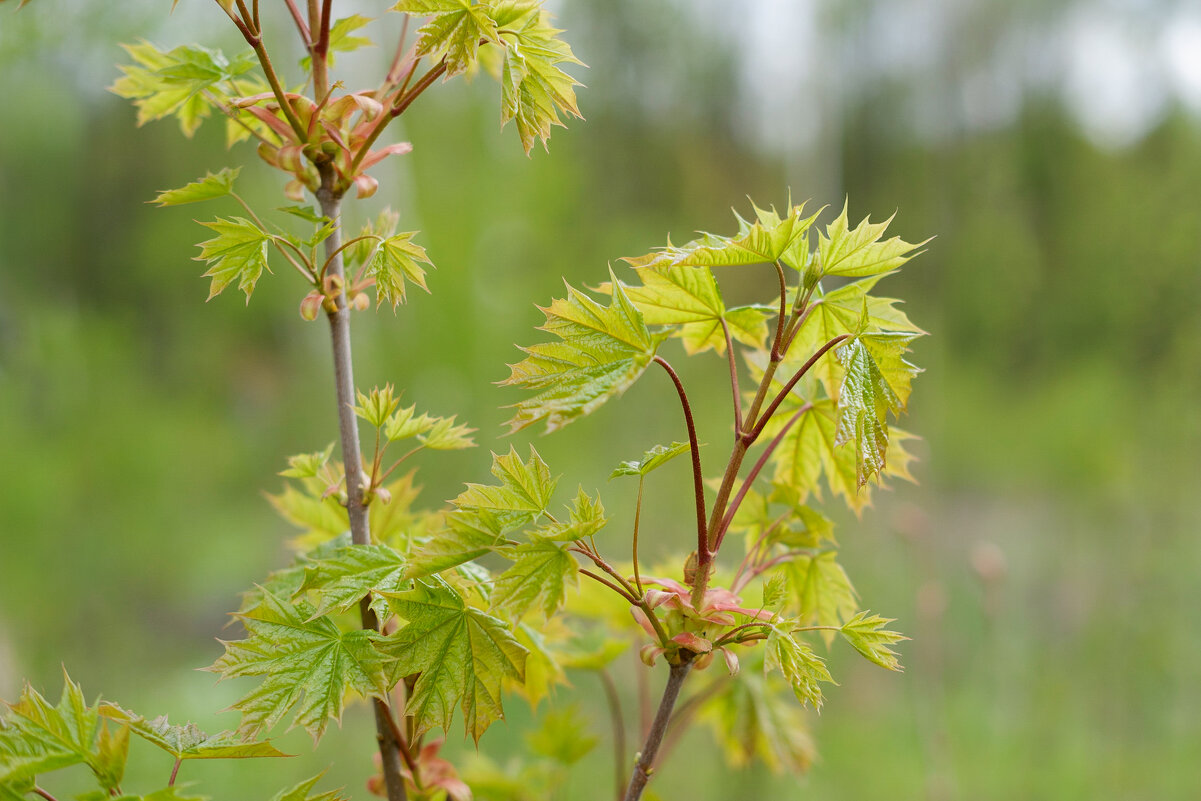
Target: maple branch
x=679, y=720
x=792, y=382
x=352, y=458
x=751, y=476
x=637, y=518
x=44, y=794
x=629, y=598
x=725, y=328
x=650, y=749
x=613, y=699
x=301, y=26
x=703, y=555
x=778, y=342
x=320, y=50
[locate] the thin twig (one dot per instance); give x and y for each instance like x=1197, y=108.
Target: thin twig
x=778, y=342
x=725, y=327
x=301, y=26
x=792, y=382
x=44, y=794
x=637, y=519
x=751, y=476
x=174, y=772
x=703, y=555
x=632, y=601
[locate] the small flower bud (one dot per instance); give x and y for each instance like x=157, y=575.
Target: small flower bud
x=310, y=306
x=366, y=185
x=360, y=302
x=384, y=496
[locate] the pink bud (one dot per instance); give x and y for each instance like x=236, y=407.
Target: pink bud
x=732, y=663
x=294, y=191
x=360, y=302
x=384, y=496
x=310, y=306
x=366, y=185
x=648, y=654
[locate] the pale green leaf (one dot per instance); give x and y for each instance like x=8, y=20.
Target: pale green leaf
x=307, y=666
x=585, y=517
x=866, y=633
x=303, y=790
x=542, y=669
x=207, y=188
x=864, y=401
x=461, y=654
x=750, y=722
x=396, y=262
x=38, y=737
x=377, y=407
x=521, y=497
x=823, y=593
x=775, y=592
x=561, y=736
x=655, y=457
x=237, y=253
x=601, y=352
x=838, y=312
x=535, y=90
x=857, y=252
x=447, y=435
x=538, y=579
x=768, y=238
x=188, y=741
x=341, y=38
x=454, y=30
x=465, y=536
x=307, y=465
x=801, y=668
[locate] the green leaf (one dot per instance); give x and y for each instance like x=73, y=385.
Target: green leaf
x=38, y=738
x=840, y=312
x=585, y=518
x=601, y=352
x=394, y=263
x=539, y=577
x=345, y=577
x=561, y=736
x=857, y=252
x=867, y=635
x=864, y=401
x=377, y=407
x=453, y=32
x=307, y=465
x=769, y=238
x=801, y=668
x=207, y=188
x=823, y=592
x=461, y=654
x=237, y=253
x=466, y=536
x=535, y=90
x=750, y=723
x=188, y=741
x=179, y=82
x=775, y=592
x=521, y=497
x=655, y=457
x=301, y=792
x=542, y=669
x=308, y=665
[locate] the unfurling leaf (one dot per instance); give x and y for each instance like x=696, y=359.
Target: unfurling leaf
x=308, y=665
x=377, y=407
x=802, y=668
x=535, y=90
x=396, y=261
x=36, y=737
x=207, y=188
x=586, y=517
x=655, y=457
x=237, y=253
x=869, y=637
x=461, y=654
x=864, y=401
x=603, y=350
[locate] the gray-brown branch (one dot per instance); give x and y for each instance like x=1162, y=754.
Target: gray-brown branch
x=352, y=458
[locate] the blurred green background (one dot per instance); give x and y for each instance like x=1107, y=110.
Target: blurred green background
x=1047, y=564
